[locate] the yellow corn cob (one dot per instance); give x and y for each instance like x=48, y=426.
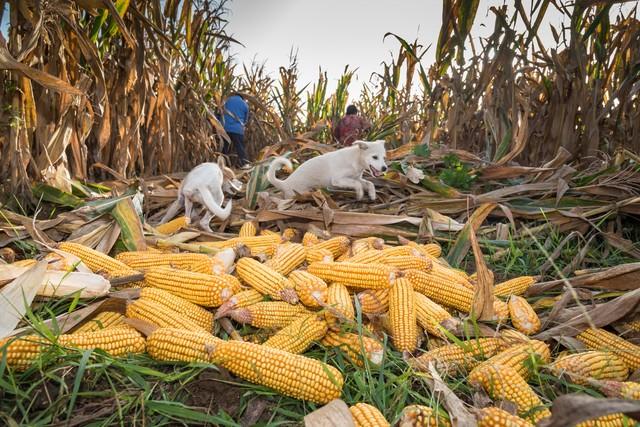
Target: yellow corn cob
x=338, y=300
x=365, y=415
x=599, y=339
x=299, y=334
x=433, y=250
x=287, y=258
x=406, y=262
x=402, y=315
x=117, y=341
x=241, y=299
x=289, y=234
x=21, y=352
x=515, y=286
x=473, y=276
x=369, y=256
x=309, y=239
x=441, y=290
x=454, y=357
x=523, y=317
x=142, y=260
x=266, y=280
x=511, y=336
x=174, y=225
x=194, y=312
x=160, y=315
x=356, y=347
x=203, y=289
x=622, y=390
x=247, y=229
x=432, y=317
x=502, y=382
x=361, y=245
x=267, y=233
x=368, y=276
x=422, y=416
x=612, y=420
x=632, y=326
x=496, y=417
x=293, y=375
x=393, y=251
x=500, y=310
x=174, y=344
x=374, y=301
x=435, y=342
x=256, y=244
x=96, y=261
x=520, y=356
x=590, y=364
x=311, y=290
x=268, y=314
x=337, y=245
x=318, y=255
x=106, y=319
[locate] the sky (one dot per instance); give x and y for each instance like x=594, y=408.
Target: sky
x=334, y=33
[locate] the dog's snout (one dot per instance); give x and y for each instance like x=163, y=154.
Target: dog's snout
x=384, y=168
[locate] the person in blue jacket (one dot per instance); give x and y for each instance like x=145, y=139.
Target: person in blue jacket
x=236, y=113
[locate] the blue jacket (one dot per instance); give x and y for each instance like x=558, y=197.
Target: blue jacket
x=236, y=113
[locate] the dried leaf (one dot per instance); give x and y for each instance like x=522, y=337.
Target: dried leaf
x=461, y=246
x=482, y=307
x=334, y=414
x=458, y=413
x=571, y=409
x=16, y=297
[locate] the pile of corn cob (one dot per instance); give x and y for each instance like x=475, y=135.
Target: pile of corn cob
x=299, y=295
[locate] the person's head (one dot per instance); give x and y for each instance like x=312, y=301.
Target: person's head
x=351, y=109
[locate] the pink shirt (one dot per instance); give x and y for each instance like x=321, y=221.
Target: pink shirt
x=350, y=128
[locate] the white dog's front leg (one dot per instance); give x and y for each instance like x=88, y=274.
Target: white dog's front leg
x=371, y=189
x=349, y=183
x=206, y=219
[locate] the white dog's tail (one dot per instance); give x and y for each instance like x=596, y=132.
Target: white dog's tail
x=215, y=208
x=174, y=208
x=277, y=164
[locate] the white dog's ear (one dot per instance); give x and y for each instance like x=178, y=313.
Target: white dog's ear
x=362, y=145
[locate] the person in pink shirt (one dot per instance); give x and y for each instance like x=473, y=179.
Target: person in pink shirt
x=351, y=127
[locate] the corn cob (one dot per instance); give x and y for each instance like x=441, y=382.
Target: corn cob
x=632, y=326
x=365, y=415
x=266, y=280
x=455, y=358
x=523, y=316
x=337, y=245
x=104, y=320
x=500, y=310
x=402, y=314
x=339, y=306
x=422, y=416
x=142, y=260
x=318, y=255
x=287, y=258
x=203, y=289
x=368, y=276
x=611, y=420
x=174, y=225
x=393, y=251
x=496, y=417
x=299, y=334
x=289, y=234
x=290, y=374
x=432, y=317
x=309, y=239
x=511, y=336
x=232, y=281
x=374, y=301
x=117, y=341
x=160, y=315
x=515, y=286
x=521, y=356
x=256, y=244
x=21, y=352
x=502, y=382
x=356, y=347
x=435, y=342
x=599, y=365
x=97, y=261
x=622, y=390
x=189, y=310
x=599, y=339
x=268, y=233
x=432, y=250
x=441, y=290
x=268, y=314
x=406, y=262
x=239, y=300
x=174, y=344
x=311, y=290
x=248, y=229
x=369, y=256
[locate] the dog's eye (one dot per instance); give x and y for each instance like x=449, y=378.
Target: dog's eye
x=375, y=157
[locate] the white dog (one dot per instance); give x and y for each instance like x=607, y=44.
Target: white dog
x=341, y=168
x=205, y=185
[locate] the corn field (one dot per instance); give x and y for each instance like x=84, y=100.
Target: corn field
x=95, y=89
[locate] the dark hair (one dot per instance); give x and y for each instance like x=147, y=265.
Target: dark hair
x=351, y=109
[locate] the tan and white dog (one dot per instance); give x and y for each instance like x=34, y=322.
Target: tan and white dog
x=341, y=168
x=205, y=185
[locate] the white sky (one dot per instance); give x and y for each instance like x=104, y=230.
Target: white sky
x=334, y=33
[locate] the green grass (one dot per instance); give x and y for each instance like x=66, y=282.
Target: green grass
x=70, y=387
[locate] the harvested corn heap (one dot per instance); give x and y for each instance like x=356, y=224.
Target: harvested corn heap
x=304, y=308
